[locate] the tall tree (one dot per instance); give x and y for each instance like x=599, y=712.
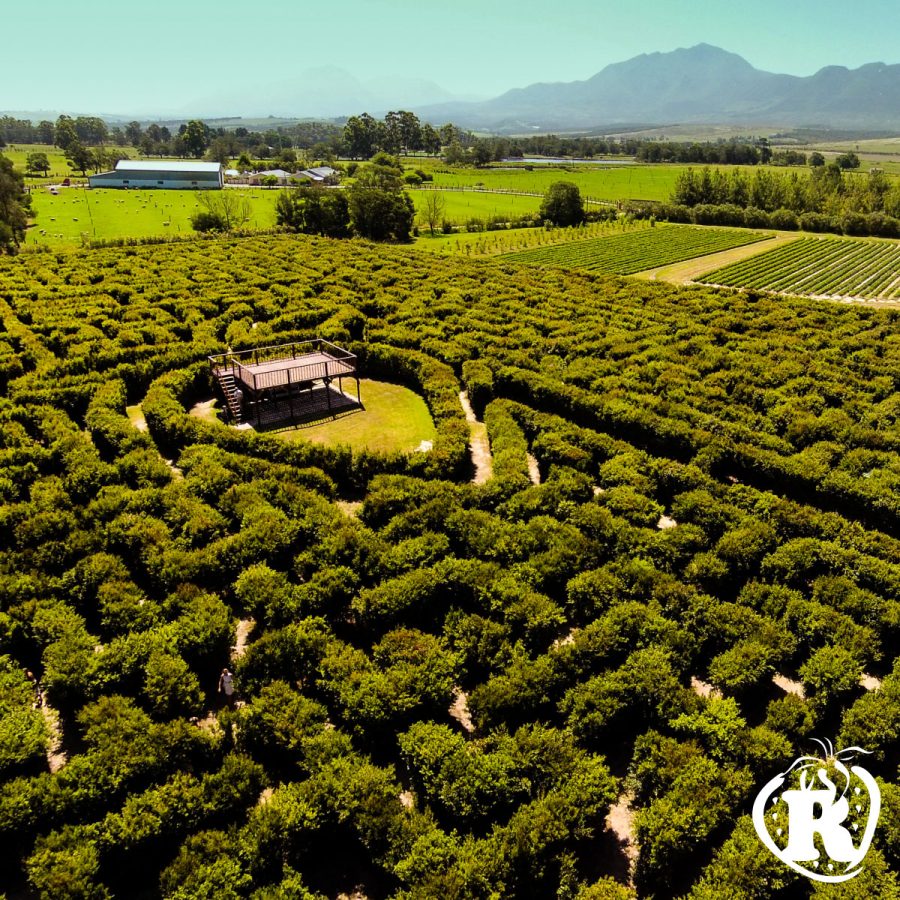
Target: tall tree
x=314, y=210
x=134, y=133
x=390, y=136
x=194, y=138
x=563, y=204
x=433, y=210
x=45, y=132
x=65, y=132
x=221, y=211
x=37, y=162
x=410, y=131
x=431, y=140
x=361, y=136
x=79, y=157
x=15, y=207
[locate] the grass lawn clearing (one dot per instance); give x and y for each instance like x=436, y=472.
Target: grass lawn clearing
x=393, y=418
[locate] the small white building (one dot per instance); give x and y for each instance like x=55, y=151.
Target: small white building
x=183, y=175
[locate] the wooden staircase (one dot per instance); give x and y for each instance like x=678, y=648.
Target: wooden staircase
x=228, y=386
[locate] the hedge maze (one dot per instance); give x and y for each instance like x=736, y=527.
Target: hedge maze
x=590, y=656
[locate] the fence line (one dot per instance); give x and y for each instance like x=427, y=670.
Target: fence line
x=476, y=190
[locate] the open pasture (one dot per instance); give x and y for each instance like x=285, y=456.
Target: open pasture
x=611, y=184
x=624, y=254
x=59, y=165
x=62, y=219
x=820, y=267
x=460, y=206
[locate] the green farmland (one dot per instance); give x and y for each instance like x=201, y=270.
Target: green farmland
x=460, y=206
x=614, y=183
x=820, y=267
x=105, y=214
x=625, y=254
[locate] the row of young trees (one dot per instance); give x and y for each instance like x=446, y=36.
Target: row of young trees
x=825, y=199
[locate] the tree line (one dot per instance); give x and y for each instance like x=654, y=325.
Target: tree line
x=824, y=199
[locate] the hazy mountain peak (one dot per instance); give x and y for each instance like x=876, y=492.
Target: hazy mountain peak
x=698, y=84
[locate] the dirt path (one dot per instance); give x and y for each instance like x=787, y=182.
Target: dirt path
x=620, y=821
x=685, y=272
x=459, y=710
x=349, y=508
x=136, y=417
x=478, y=441
x=534, y=470
x=56, y=756
x=244, y=627
x=704, y=688
x=870, y=682
x=205, y=410
x=789, y=686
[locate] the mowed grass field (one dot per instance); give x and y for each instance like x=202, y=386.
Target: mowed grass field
x=394, y=419
x=59, y=165
x=104, y=214
x=625, y=254
x=614, y=183
x=819, y=267
x=460, y=206
x=624, y=182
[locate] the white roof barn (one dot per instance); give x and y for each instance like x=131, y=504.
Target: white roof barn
x=172, y=174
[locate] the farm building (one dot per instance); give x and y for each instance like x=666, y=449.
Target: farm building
x=320, y=173
x=177, y=175
x=317, y=175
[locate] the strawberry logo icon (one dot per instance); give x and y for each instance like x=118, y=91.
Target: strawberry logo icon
x=819, y=816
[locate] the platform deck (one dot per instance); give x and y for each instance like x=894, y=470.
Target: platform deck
x=276, y=373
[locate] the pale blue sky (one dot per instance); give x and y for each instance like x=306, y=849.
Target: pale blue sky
x=120, y=57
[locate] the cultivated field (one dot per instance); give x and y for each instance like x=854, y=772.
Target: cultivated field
x=820, y=267
x=501, y=241
x=625, y=254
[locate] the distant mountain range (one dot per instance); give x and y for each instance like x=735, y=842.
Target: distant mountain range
x=324, y=92
x=699, y=85
x=702, y=84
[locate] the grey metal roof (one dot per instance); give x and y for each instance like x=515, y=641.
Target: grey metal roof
x=152, y=165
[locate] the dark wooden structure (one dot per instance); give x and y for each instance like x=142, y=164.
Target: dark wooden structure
x=287, y=382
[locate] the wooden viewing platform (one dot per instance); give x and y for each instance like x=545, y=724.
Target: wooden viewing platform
x=285, y=381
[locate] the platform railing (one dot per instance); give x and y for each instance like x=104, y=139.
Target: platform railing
x=339, y=363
